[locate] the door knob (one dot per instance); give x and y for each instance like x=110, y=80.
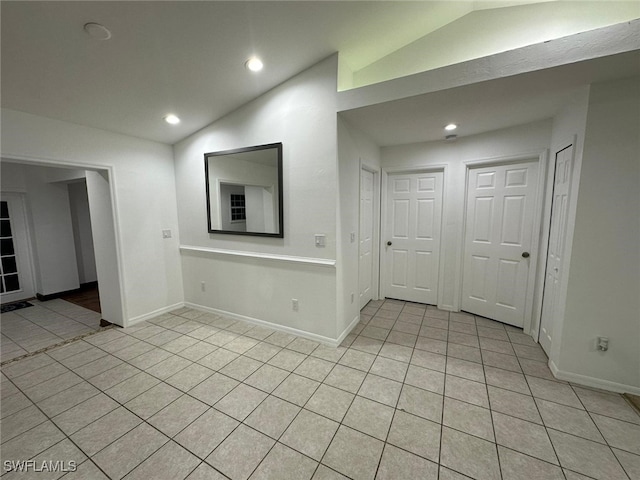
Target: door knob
x=389, y=243
x=525, y=254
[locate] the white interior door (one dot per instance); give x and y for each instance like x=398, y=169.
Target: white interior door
x=366, y=236
x=16, y=267
x=501, y=202
x=555, y=252
x=412, y=240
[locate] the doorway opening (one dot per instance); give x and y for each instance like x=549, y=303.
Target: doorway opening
x=69, y=238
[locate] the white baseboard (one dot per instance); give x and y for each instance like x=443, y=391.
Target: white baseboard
x=147, y=316
x=332, y=342
x=347, y=330
x=592, y=381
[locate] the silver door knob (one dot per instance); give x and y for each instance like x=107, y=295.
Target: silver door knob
x=389, y=243
x=525, y=254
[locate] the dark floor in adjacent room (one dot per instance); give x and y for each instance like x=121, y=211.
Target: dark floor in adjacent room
x=87, y=297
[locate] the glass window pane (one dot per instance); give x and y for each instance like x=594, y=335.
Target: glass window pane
x=11, y=282
x=9, y=265
x=5, y=228
x=6, y=246
x=4, y=210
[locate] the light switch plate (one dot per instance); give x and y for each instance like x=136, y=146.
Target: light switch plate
x=320, y=239
x=166, y=233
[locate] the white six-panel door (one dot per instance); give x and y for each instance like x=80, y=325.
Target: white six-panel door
x=412, y=244
x=555, y=252
x=499, y=222
x=366, y=237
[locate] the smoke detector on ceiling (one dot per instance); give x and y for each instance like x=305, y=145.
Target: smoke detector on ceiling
x=97, y=31
x=451, y=136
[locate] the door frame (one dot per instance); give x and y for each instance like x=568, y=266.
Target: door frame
x=533, y=295
x=20, y=198
x=121, y=309
x=375, y=236
x=546, y=234
x=386, y=171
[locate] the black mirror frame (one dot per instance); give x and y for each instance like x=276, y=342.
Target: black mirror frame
x=278, y=147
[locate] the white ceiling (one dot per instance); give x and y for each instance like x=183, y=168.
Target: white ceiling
x=188, y=58
x=182, y=57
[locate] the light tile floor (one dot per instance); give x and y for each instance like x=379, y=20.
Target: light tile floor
x=44, y=324
x=413, y=393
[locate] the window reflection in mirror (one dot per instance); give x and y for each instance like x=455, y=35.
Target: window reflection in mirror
x=244, y=191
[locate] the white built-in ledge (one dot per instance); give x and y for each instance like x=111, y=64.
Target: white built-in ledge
x=266, y=256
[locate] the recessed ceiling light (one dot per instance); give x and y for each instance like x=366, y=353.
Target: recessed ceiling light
x=97, y=31
x=172, y=119
x=451, y=126
x=254, y=64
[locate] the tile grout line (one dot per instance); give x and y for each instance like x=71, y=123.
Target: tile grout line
x=142, y=421
x=40, y=305
x=444, y=386
x=67, y=437
x=334, y=366
x=365, y=377
x=306, y=355
x=589, y=414
x=214, y=371
x=213, y=407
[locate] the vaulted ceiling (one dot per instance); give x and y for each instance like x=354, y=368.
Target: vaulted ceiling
x=188, y=57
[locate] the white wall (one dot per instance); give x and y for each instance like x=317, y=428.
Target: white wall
x=100, y=206
x=300, y=113
x=12, y=177
x=354, y=147
x=488, y=32
x=82, y=235
x=144, y=201
x=524, y=139
x=261, y=209
x=604, y=281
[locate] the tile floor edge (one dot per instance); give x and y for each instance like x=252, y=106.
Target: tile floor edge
x=56, y=345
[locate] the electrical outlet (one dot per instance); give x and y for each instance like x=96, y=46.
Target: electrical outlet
x=353, y=237
x=294, y=304
x=203, y=286
x=166, y=233
x=352, y=297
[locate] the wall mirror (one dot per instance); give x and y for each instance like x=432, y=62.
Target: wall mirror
x=244, y=191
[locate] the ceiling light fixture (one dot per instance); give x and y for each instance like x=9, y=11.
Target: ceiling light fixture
x=171, y=119
x=450, y=127
x=97, y=31
x=254, y=64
